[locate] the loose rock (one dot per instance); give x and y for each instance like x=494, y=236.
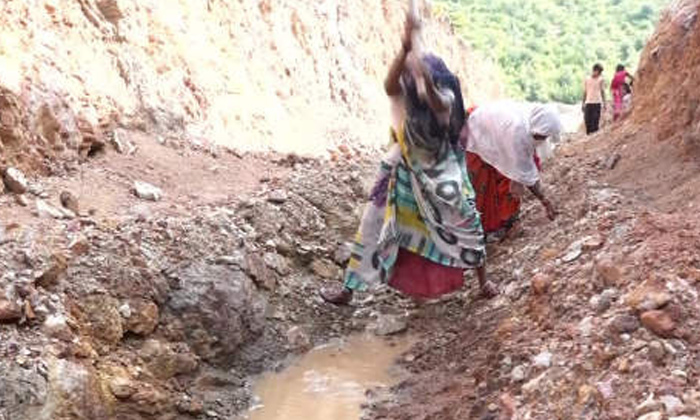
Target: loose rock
x=658, y=322
x=389, y=325
x=9, y=311
x=278, y=197
x=540, y=283
x=146, y=191
x=15, y=181
x=622, y=324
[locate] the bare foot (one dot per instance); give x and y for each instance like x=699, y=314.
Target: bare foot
x=489, y=290
x=340, y=298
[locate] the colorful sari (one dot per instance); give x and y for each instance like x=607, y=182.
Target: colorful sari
x=421, y=229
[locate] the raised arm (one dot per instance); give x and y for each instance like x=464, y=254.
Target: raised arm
x=392, y=83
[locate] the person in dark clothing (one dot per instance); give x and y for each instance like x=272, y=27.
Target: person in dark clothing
x=593, y=99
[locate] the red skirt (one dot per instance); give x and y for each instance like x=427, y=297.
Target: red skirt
x=421, y=278
x=499, y=208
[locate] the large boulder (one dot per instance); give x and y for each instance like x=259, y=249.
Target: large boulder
x=22, y=392
x=75, y=393
x=218, y=309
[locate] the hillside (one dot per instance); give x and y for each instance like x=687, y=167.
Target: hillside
x=545, y=48
x=250, y=75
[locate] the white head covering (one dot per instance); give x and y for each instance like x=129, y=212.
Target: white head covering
x=501, y=133
x=544, y=120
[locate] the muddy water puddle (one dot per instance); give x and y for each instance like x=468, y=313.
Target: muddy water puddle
x=330, y=381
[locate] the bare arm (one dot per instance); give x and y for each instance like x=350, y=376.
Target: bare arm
x=602, y=94
x=392, y=83
x=536, y=190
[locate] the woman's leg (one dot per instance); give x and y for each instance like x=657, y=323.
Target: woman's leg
x=488, y=288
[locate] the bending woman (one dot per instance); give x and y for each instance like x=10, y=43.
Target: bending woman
x=420, y=229
x=501, y=141
x=619, y=88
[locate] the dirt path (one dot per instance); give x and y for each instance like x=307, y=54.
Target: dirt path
x=187, y=177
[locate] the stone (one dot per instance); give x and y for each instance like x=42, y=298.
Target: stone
x=624, y=324
x=79, y=246
x=22, y=200
x=143, y=317
x=220, y=310
x=674, y=406
x=70, y=202
x=149, y=400
x=324, y=268
x=10, y=312
x=387, y=324
x=298, y=339
x=518, y=374
x=278, y=197
x=656, y=415
x=573, y=252
x=122, y=388
x=592, y=243
x=608, y=272
x=56, y=326
x=261, y=274
x=540, y=283
x=237, y=259
x=651, y=294
x=603, y=302
x=649, y=405
x=46, y=210
x=24, y=392
x=277, y=262
x=188, y=405
x=659, y=322
x=15, y=181
x=54, y=273
x=543, y=359
x=103, y=320
x=75, y=392
x=165, y=360
x=683, y=418
x=611, y=161
x=585, y=326
x=146, y=191
x=656, y=352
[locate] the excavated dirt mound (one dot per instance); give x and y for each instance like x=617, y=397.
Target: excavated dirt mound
x=660, y=139
x=252, y=75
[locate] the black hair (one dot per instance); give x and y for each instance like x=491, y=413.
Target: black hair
x=598, y=67
x=620, y=67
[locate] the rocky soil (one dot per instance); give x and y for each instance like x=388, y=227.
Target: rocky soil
x=165, y=309
x=597, y=318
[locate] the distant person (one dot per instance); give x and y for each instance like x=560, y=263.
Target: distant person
x=617, y=87
x=420, y=229
x=593, y=99
x=501, y=141
x=626, y=98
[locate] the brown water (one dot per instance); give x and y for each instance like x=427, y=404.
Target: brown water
x=329, y=382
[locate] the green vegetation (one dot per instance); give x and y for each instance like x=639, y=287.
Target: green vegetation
x=545, y=48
